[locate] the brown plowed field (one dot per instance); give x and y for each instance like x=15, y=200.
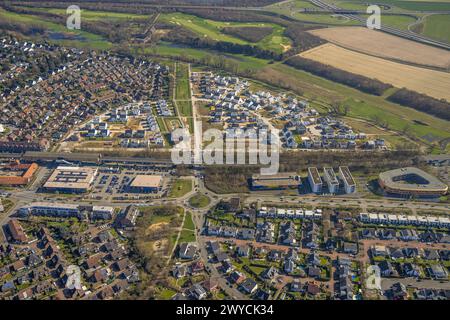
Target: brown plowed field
x=430, y=82
x=387, y=46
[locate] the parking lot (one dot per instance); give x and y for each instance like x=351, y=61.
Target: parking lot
x=115, y=184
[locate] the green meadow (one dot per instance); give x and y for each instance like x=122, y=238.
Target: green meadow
x=213, y=30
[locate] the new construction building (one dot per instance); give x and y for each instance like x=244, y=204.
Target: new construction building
x=349, y=182
x=71, y=179
x=278, y=181
x=331, y=180
x=146, y=184
x=315, y=181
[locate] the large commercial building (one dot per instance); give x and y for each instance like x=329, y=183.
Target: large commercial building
x=71, y=179
x=146, y=184
x=17, y=174
x=349, y=182
x=315, y=181
x=58, y=210
x=331, y=180
x=411, y=181
x=278, y=181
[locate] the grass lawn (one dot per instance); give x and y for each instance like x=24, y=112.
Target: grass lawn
x=199, y=201
x=161, y=124
x=185, y=108
x=165, y=294
x=180, y=188
x=188, y=223
x=276, y=41
x=84, y=39
x=96, y=15
x=187, y=236
x=242, y=62
x=182, y=91
x=437, y=27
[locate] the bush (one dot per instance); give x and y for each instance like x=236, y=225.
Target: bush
x=421, y=102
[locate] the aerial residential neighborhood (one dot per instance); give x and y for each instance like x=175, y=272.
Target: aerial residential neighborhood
x=134, y=151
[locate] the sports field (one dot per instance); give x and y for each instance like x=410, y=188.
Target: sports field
x=433, y=83
x=367, y=41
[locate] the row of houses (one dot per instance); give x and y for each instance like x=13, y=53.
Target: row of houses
x=395, y=219
x=283, y=213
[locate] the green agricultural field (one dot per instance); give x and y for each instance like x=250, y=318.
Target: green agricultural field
x=437, y=27
x=83, y=38
x=213, y=30
x=180, y=188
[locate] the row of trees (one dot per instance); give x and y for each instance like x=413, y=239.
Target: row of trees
x=421, y=102
x=356, y=81
x=252, y=34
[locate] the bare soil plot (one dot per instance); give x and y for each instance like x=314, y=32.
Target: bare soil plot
x=430, y=82
x=383, y=45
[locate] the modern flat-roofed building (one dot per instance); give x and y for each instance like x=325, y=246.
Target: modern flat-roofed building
x=411, y=182
x=349, y=182
x=17, y=232
x=283, y=180
x=315, y=181
x=71, y=179
x=331, y=180
x=101, y=212
x=128, y=217
x=146, y=184
x=60, y=210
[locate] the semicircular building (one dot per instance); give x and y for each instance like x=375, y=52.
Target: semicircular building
x=411, y=181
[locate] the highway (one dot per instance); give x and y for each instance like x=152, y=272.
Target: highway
x=404, y=34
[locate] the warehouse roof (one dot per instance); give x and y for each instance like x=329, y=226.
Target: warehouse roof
x=146, y=181
x=71, y=178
